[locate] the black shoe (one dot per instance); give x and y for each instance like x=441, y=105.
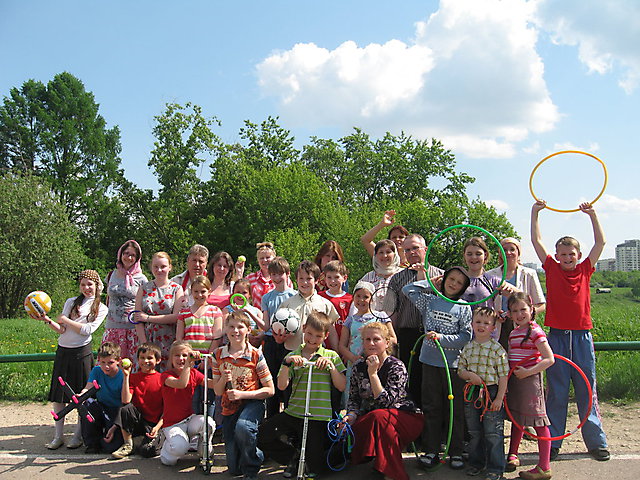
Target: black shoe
x=429, y=460
x=92, y=449
x=555, y=451
x=600, y=454
x=291, y=470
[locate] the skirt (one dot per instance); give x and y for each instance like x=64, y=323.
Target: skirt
x=526, y=400
x=126, y=338
x=74, y=366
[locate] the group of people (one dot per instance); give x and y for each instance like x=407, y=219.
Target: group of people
x=360, y=346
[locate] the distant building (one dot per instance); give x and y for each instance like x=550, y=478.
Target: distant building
x=628, y=256
x=535, y=266
x=606, y=265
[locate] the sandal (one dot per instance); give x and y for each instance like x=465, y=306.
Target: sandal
x=535, y=474
x=513, y=462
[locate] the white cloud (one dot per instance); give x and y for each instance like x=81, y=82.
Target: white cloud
x=607, y=34
x=612, y=204
x=499, y=205
x=591, y=148
x=471, y=76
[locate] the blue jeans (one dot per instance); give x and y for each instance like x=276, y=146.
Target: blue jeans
x=486, y=444
x=576, y=345
x=240, y=439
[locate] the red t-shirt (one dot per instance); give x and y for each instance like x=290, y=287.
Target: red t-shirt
x=342, y=304
x=147, y=394
x=177, y=401
x=568, y=295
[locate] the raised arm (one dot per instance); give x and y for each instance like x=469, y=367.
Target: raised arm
x=368, y=238
x=598, y=234
x=536, y=237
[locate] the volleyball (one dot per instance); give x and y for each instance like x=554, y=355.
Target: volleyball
x=37, y=303
x=285, y=320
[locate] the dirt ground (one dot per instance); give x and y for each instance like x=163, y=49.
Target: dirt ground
x=25, y=428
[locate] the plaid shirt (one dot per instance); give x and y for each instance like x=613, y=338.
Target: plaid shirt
x=488, y=360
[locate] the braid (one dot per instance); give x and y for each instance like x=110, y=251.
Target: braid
x=523, y=297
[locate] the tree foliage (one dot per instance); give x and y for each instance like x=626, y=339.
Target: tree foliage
x=231, y=195
x=55, y=131
x=39, y=248
x=263, y=188
x=363, y=171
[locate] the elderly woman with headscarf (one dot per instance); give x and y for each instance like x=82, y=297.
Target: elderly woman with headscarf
x=386, y=263
x=122, y=288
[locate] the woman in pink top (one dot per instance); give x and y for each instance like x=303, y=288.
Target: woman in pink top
x=220, y=274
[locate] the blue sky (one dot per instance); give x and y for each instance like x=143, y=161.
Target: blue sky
x=503, y=83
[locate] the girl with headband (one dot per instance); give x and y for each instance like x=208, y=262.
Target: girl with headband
x=122, y=288
x=80, y=317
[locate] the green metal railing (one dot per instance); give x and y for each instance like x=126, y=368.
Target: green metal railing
x=48, y=357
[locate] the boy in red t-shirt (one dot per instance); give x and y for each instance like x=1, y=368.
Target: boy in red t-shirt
x=142, y=400
x=335, y=275
x=569, y=318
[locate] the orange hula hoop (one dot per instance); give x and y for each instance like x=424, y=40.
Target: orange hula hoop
x=604, y=186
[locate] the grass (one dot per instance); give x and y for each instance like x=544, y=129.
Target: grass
x=616, y=317
x=28, y=381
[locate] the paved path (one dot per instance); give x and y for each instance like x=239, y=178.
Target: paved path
x=24, y=429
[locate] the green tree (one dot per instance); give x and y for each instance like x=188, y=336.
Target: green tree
x=39, y=248
x=56, y=132
x=263, y=188
x=363, y=171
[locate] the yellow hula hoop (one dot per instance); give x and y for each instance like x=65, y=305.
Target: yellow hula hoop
x=604, y=186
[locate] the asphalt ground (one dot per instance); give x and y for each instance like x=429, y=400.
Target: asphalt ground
x=24, y=429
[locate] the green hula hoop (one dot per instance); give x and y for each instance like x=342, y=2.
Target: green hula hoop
x=504, y=264
x=450, y=397
x=245, y=301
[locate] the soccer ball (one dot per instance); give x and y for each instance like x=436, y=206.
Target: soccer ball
x=37, y=303
x=285, y=320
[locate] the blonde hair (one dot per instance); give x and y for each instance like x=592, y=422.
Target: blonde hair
x=178, y=345
x=380, y=327
x=568, y=242
x=160, y=255
x=201, y=280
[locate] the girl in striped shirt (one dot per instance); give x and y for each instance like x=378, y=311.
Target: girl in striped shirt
x=526, y=388
x=200, y=325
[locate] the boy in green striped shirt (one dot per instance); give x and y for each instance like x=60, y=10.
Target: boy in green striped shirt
x=328, y=370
